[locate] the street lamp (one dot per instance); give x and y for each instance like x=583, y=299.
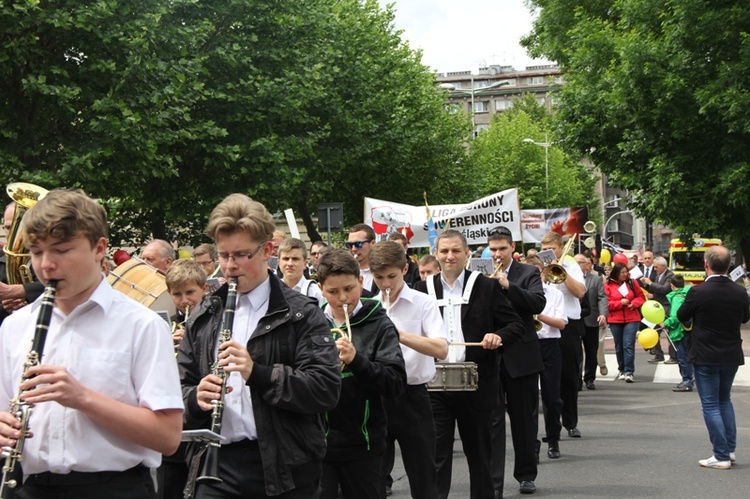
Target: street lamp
x=472, y=91
x=546, y=145
x=604, y=230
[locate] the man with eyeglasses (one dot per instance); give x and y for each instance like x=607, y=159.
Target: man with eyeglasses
x=282, y=365
x=361, y=237
x=14, y=296
x=206, y=255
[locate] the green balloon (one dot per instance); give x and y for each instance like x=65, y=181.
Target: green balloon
x=653, y=311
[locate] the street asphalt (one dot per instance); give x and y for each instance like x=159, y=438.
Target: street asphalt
x=639, y=440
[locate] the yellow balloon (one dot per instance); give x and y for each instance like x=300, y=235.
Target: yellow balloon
x=648, y=338
x=653, y=311
x=184, y=254
x=605, y=257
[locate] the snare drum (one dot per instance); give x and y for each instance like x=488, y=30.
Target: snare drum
x=454, y=377
x=143, y=283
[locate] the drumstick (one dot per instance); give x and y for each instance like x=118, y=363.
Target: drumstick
x=465, y=344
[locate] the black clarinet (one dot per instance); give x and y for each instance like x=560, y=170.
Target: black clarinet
x=20, y=409
x=210, y=470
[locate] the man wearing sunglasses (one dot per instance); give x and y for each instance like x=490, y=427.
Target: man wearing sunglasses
x=361, y=238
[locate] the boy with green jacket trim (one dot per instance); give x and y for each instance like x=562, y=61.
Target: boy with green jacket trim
x=678, y=335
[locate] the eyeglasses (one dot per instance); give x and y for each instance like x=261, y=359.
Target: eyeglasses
x=502, y=231
x=207, y=262
x=240, y=256
x=356, y=244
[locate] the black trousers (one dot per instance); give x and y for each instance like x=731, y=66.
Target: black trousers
x=590, y=349
x=358, y=479
x=455, y=408
x=520, y=398
x=410, y=422
x=549, y=381
x=241, y=469
x=570, y=375
x=135, y=483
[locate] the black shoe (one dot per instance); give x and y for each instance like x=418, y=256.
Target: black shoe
x=553, y=452
x=682, y=388
x=574, y=433
x=590, y=385
x=656, y=360
x=527, y=487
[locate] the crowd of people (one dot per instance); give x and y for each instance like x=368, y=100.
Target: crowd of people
x=309, y=366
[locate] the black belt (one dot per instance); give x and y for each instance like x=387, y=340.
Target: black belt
x=82, y=478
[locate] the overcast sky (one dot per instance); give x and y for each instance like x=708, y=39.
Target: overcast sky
x=462, y=35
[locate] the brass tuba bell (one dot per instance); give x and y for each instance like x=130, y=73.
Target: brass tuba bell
x=17, y=266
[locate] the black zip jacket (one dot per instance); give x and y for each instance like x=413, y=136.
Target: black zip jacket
x=296, y=378
x=357, y=426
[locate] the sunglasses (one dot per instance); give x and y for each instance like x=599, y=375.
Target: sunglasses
x=356, y=244
x=503, y=231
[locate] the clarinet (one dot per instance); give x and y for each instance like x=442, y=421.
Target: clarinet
x=20, y=409
x=210, y=470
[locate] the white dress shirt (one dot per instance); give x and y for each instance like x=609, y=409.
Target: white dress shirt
x=455, y=334
x=416, y=313
x=313, y=290
x=238, y=422
x=366, y=278
x=572, y=304
x=555, y=307
x=111, y=344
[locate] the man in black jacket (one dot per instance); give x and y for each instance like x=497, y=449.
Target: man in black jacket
x=717, y=309
x=282, y=367
x=475, y=311
x=520, y=365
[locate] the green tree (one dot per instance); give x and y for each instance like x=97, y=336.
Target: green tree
x=163, y=108
x=657, y=90
x=503, y=160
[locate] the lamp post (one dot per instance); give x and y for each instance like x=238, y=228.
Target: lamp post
x=546, y=145
x=606, y=224
x=473, y=91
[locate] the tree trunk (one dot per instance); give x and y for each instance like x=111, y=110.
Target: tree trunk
x=312, y=231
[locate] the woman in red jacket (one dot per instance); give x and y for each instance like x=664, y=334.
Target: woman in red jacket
x=625, y=298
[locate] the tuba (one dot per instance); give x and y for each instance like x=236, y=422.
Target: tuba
x=16, y=260
x=556, y=274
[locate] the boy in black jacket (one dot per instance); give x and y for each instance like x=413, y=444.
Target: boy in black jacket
x=372, y=366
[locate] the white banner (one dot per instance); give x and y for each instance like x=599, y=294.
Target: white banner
x=473, y=220
x=564, y=221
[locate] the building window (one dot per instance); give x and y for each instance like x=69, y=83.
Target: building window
x=536, y=80
x=481, y=106
x=481, y=127
x=481, y=83
x=541, y=100
x=502, y=105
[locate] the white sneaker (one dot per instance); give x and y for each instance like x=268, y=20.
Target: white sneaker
x=732, y=457
x=714, y=463
x=629, y=378
x=621, y=375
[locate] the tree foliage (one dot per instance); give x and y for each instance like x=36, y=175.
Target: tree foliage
x=502, y=160
x=163, y=108
x=658, y=90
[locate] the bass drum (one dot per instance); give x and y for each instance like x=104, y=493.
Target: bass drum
x=143, y=283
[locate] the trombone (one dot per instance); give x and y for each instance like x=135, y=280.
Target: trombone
x=555, y=272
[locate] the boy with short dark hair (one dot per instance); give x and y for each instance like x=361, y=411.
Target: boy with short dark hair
x=372, y=368
x=428, y=265
x=420, y=328
x=106, y=392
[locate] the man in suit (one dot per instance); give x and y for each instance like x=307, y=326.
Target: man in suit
x=592, y=323
x=519, y=373
x=717, y=308
x=658, y=288
x=474, y=310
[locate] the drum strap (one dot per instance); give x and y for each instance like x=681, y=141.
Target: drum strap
x=450, y=307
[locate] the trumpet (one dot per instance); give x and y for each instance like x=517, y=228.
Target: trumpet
x=555, y=272
x=176, y=325
x=537, y=323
